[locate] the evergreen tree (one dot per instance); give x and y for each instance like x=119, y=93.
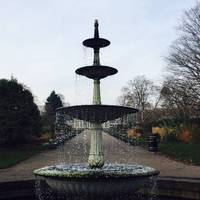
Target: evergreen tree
x=49, y=116
x=19, y=115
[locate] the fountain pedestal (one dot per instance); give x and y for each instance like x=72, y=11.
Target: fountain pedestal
x=96, y=157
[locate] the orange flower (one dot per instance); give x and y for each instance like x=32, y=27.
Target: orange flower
x=186, y=136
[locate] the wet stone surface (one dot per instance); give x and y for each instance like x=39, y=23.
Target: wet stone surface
x=108, y=170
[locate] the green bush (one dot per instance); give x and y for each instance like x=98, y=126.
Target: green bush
x=142, y=140
x=170, y=138
x=195, y=131
x=19, y=116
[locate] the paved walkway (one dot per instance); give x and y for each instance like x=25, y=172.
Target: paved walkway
x=76, y=151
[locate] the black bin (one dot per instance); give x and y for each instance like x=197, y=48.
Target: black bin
x=153, y=143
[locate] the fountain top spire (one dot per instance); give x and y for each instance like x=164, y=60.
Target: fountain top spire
x=96, y=71
x=96, y=29
x=96, y=42
x=96, y=22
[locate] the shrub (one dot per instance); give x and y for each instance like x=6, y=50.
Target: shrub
x=170, y=137
x=19, y=115
x=142, y=140
x=195, y=134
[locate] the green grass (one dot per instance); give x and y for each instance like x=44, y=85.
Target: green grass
x=9, y=157
x=189, y=153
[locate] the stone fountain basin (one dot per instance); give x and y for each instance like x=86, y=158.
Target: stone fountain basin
x=96, y=71
x=112, y=179
x=96, y=113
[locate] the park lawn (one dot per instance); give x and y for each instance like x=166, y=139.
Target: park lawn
x=9, y=157
x=189, y=153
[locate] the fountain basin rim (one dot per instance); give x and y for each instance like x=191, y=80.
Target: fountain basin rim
x=47, y=172
x=98, y=105
x=96, y=113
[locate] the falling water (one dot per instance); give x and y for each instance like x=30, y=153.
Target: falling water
x=85, y=57
x=85, y=141
x=153, y=187
x=61, y=154
x=42, y=192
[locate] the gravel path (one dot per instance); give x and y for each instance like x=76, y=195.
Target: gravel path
x=77, y=149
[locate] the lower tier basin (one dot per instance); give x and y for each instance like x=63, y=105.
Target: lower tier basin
x=110, y=180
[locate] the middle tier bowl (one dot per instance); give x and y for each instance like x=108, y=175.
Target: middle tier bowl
x=96, y=72
x=96, y=113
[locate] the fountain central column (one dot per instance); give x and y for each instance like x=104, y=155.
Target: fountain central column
x=96, y=157
x=96, y=93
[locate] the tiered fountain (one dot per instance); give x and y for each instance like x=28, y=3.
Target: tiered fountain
x=96, y=180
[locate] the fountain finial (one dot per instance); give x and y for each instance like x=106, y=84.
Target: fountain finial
x=96, y=42
x=96, y=29
x=96, y=22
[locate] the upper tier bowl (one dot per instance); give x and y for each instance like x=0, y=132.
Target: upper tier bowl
x=96, y=43
x=96, y=71
x=96, y=113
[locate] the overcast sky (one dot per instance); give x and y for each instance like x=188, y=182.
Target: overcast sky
x=41, y=43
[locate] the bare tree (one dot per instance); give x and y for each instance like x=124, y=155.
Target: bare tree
x=142, y=94
x=178, y=99
x=184, y=56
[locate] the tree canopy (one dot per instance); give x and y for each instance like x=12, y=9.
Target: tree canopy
x=49, y=116
x=184, y=56
x=183, y=81
x=142, y=94
x=53, y=102
x=19, y=115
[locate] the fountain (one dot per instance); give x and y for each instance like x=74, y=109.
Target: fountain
x=96, y=180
